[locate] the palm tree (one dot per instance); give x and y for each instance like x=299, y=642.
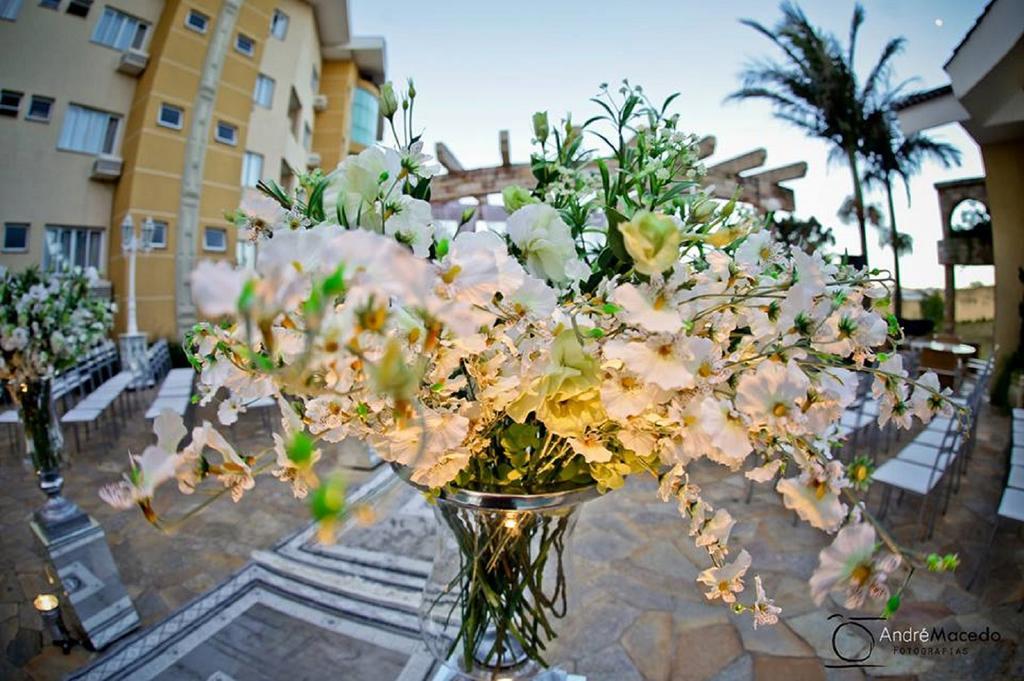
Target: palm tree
x=816, y=89
x=890, y=154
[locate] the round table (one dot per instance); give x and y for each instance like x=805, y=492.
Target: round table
x=958, y=349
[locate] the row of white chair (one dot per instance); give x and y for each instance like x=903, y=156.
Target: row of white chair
x=89, y=410
x=175, y=393
x=937, y=454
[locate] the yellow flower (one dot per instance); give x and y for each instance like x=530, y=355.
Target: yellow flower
x=565, y=397
x=652, y=240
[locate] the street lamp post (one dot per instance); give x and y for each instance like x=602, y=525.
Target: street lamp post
x=133, y=343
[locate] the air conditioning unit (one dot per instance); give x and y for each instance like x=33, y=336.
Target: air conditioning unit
x=106, y=168
x=319, y=102
x=132, y=62
x=313, y=160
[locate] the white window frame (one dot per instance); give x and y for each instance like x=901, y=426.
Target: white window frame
x=206, y=240
x=114, y=139
x=257, y=90
x=164, y=106
x=233, y=140
x=49, y=112
x=89, y=234
x=196, y=13
x=239, y=37
x=28, y=232
x=163, y=242
x=129, y=26
x=279, y=18
x=252, y=160
x=9, y=9
x=12, y=110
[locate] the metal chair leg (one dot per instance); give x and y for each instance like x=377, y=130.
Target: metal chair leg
x=983, y=558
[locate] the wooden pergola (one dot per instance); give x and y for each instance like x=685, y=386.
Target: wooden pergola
x=762, y=189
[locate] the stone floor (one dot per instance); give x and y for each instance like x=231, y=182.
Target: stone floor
x=644, y=616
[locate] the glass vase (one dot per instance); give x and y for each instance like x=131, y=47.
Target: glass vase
x=498, y=603
x=44, y=447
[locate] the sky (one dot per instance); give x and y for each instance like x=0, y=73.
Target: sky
x=484, y=66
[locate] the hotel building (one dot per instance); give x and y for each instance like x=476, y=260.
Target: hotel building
x=167, y=109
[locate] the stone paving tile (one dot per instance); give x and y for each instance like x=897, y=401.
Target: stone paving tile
x=161, y=572
x=640, y=615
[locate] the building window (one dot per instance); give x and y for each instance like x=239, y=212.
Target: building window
x=287, y=174
x=49, y=4
x=307, y=136
x=197, y=21
x=10, y=102
x=79, y=8
x=9, y=9
x=171, y=116
x=364, y=117
x=263, y=92
x=294, y=112
x=119, y=30
x=215, y=239
x=279, y=24
x=89, y=131
x=226, y=133
x=159, y=238
x=245, y=44
x=39, y=109
x=75, y=246
x=314, y=80
x=252, y=169
x=15, y=237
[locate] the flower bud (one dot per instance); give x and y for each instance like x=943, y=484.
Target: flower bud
x=388, y=101
x=515, y=197
x=540, y=126
x=412, y=90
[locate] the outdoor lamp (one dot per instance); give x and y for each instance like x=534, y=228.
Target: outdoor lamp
x=48, y=607
x=127, y=233
x=148, y=227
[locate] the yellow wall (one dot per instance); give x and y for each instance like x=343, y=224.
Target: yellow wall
x=1004, y=181
x=333, y=125
x=155, y=155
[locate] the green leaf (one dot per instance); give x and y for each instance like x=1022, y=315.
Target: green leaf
x=328, y=500
x=441, y=249
x=615, y=241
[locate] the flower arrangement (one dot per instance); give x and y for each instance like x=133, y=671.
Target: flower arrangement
x=624, y=323
x=48, y=320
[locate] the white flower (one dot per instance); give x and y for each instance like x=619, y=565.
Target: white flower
x=849, y=564
x=623, y=395
x=765, y=610
x=544, y=239
x=415, y=162
x=591, y=447
x=409, y=222
x=478, y=266
x=158, y=464
x=533, y=298
x=299, y=473
x=929, y=398
x=228, y=410
x=716, y=530
x=672, y=364
x=771, y=394
x=814, y=496
x=727, y=431
x=647, y=308
x=764, y=473
x=216, y=287
x=444, y=470
x=890, y=373
x=726, y=581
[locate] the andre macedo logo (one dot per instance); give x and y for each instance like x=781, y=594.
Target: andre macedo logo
x=869, y=641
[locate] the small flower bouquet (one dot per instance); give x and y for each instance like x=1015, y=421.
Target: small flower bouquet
x=48, y=321
x=624, y=322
